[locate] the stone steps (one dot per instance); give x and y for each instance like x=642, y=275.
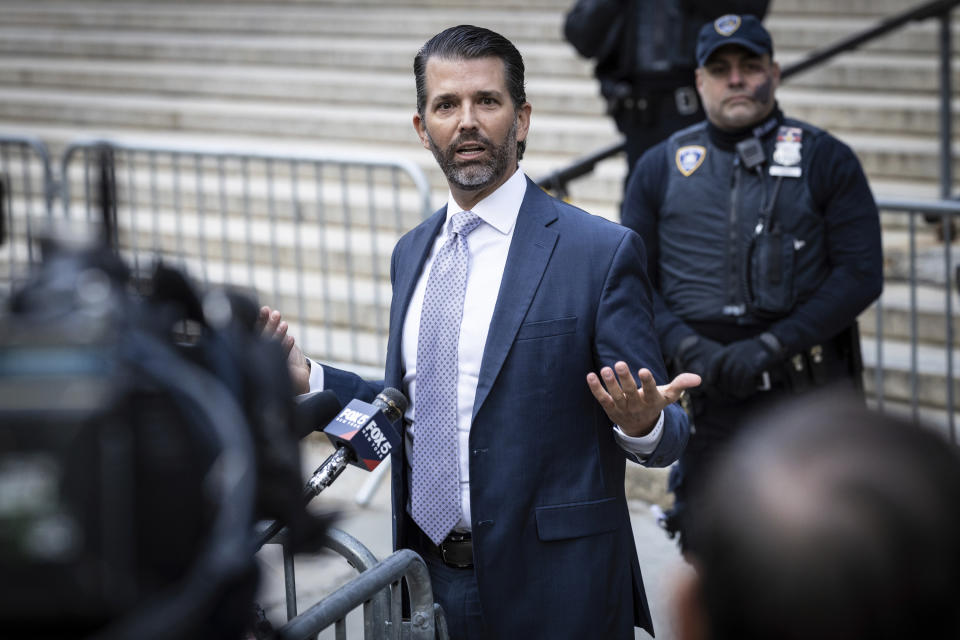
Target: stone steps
x=930, y=314
x=264, y=85
x=931, y=372
x=803, y=32
x=890, y=156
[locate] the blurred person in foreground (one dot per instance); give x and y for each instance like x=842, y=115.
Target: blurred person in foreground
x=510, y=480
x=763, y=247
x=827, y=521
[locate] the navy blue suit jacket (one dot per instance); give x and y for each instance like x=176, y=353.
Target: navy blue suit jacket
x=553, y=548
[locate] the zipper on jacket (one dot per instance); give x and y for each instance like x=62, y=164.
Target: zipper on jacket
x=733, y=307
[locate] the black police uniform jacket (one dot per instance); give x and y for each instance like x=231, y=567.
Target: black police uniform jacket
x=727, y=263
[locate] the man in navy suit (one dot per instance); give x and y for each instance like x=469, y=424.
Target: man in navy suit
x=540, y=545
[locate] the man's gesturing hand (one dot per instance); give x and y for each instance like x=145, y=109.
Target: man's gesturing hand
x=275, y=328
x=636, y=410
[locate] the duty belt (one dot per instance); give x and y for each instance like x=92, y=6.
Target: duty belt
x=801, y=370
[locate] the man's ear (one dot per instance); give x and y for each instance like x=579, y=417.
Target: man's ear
x=523, y=121
x=421, y=128
x=698, y=80
x=775, y=73
x=689, y=616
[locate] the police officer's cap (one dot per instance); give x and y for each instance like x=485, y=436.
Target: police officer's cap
x=743, y=30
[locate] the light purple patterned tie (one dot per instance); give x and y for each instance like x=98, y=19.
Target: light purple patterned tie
x=435, y=484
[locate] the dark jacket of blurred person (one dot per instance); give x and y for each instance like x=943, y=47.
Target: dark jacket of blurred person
x=645, y=60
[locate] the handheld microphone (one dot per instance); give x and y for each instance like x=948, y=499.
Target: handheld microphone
x=314, y=409
x=363, y=435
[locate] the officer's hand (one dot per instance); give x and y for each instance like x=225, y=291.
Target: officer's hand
x=736, y=370
x=695, y=354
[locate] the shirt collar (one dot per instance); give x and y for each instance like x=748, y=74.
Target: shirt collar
x=500, y=208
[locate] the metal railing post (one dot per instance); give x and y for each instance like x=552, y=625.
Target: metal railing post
x=946, y=115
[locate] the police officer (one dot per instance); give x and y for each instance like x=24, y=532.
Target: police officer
x=645, y=64
x=763, y=243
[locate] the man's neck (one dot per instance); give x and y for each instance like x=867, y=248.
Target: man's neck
x=728, y=138
x=468, y=198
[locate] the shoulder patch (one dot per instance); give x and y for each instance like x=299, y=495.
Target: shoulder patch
x=689, y=158
x=727, y=25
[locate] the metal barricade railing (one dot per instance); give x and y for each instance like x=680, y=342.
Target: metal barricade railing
x=28, y=187
x=918, y=296
x=377, y=589
x=387, y=574
x=311, y=235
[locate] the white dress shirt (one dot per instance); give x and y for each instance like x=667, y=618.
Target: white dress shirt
x=488, y=244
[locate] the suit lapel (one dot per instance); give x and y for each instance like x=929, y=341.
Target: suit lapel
x=530, y=252
x=408, y=268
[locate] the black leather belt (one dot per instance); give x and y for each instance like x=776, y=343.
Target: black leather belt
x=456, y=550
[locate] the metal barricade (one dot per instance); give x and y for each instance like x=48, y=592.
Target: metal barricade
x=377, y=588
x=911, y=352
x=27, y=189
x=402, y=564
x=311, y=235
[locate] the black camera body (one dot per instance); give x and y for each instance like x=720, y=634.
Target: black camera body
x=141, y=437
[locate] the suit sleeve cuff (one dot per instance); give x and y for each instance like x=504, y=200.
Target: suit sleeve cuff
x=641, y=446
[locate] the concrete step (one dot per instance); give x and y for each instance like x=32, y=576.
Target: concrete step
x=267, y=84
x=928, y=266
x=344, y=51
x=413, y=5
x=556, y=58
x=549, y=133
x=895, y=305
x=810, y=32
x=887, y=156
x=838, y=109
x=896, y=357
x=520, y=24
x=870, y=72
x=870, y=8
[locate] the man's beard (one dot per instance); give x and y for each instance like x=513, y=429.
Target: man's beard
x=475, y=174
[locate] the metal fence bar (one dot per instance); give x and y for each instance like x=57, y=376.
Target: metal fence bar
x=348, y=257
x=28, y=191
x=946, y=111
x=200, y=204
x=134, y=220
x=402, y=564
x=914, y=405
x=947, y=212
x=947, y=222
x=297, y=238
x=290, y=582
x=324, y=256
x=316, y=248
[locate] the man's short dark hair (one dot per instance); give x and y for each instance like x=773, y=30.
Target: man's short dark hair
x=831, y=521
x=467, y=42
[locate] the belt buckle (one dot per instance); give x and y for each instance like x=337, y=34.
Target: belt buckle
x=764, y=382
x=459, y=539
